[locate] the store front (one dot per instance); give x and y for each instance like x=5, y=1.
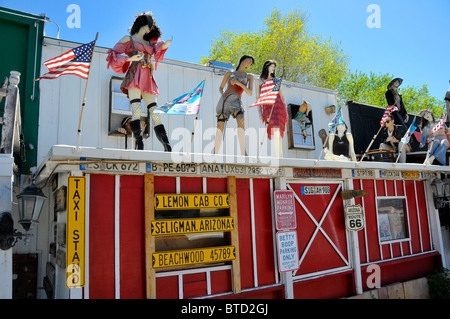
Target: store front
x=169, y=230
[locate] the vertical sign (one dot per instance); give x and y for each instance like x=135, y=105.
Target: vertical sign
x=287, y=250
x=285, y=210
x=75, y=257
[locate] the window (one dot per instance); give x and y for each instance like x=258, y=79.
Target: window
x=119, y=106
x=391, y=213
x=300, y=127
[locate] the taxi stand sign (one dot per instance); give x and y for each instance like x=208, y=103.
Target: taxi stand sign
x=354, y=217
x=76, y=235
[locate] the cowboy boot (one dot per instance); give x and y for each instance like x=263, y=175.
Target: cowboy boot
x=136, y=129
x=162, y=137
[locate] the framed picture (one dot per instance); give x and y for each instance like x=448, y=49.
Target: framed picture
x=391, y=215
x=300, y=129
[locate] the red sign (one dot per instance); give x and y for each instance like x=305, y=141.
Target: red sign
x=285, y=210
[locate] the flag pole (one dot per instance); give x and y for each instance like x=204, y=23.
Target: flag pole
x=403, y=144
x=196, y=118
x=370, y=145
x=84, y=97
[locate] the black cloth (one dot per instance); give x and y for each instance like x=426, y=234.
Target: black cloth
x=398, y=133
x=341, y=146
x=400, y=115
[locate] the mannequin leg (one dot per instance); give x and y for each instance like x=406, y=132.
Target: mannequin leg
x=135, y=124
x=219, y=133
x=278, y=142
x=160, y=131
x=241, y=131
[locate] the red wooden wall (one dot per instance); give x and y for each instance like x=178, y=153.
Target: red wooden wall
x=132, y=259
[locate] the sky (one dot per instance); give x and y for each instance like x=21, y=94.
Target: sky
x=409, y=39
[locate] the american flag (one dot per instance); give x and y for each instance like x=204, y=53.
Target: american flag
x=76, y=61
x=440, y=124
x=388, y=112
x=269, y=92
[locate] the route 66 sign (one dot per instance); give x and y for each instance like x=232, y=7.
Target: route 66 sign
x=354, y=217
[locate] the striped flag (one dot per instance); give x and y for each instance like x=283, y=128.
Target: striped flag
x=337, y=120
x=388, y=112
x=76, y=61
x=412, y=128
x=187, y=104
x=440, y=124
x=269, y=92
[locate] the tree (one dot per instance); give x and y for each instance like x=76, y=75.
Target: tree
x=370, y=89
x=301, y=56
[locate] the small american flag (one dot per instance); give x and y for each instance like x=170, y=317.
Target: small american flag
x=76, y=61
x=388, y=112
x=269, y=92
x=440, y=124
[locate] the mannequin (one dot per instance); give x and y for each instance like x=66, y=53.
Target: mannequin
x=391, y=136
x=274, y=115
x=394, y=98
x=230, y=103
x=142, y=43
x=440, y=144
x=303, y=116
x=341, y=143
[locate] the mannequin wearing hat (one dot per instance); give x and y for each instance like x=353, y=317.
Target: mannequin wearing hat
x=132, y=56
x=394, y=98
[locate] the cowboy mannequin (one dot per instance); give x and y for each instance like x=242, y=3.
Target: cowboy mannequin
x=142, y=43
x=394, y=98
x=391, y=136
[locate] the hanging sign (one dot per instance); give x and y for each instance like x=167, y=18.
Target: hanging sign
x=161, y=227
x=190, y=201
x=75, y=253
x=354, y=217
x=178, y=258
x=287, y=247
x=353, y=194
x=285, y=209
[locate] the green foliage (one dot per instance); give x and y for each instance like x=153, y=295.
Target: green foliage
x=371, y=88
x=301, y=56
x=439, y=284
